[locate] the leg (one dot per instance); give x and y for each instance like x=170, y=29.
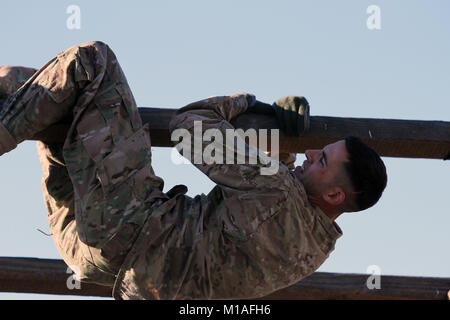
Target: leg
x=64, y=86
x=12, y=78
x=106, y=156
x=58, y=195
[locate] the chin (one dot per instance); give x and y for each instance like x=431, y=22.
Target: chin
x=298, y=172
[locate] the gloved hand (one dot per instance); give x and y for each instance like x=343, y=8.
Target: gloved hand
x=256, y=106
x=292, y=113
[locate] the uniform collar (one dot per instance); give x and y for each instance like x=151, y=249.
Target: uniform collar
x=332, y=228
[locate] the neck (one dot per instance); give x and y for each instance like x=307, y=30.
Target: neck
x=330, y=211
x=332, y=214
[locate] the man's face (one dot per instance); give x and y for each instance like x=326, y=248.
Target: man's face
x=322, y=168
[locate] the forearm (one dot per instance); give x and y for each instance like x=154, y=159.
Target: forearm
x=212, y=144
x=224, y=107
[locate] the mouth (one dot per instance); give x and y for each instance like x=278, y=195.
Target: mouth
x=299, y=170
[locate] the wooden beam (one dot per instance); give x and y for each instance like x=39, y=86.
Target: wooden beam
x=389, y=137
x=49, y=276
x=341, y=286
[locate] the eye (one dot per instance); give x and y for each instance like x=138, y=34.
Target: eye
x=323, y=160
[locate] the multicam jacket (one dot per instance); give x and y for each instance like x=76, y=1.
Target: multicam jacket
x=251, y=235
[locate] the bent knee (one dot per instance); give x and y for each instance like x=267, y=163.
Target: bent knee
x=93, y=43
x=87, y=50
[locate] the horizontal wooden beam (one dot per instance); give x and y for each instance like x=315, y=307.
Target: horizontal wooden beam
x=389, y=137
x=49, y=276
x=342, y=286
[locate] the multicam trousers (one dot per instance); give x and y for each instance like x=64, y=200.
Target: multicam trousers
x=99, y=185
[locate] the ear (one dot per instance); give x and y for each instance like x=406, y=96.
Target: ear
x=334, y=196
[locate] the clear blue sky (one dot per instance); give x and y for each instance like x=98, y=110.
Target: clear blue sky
x=176, y=52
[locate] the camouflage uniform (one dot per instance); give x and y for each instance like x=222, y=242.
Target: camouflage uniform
x=251, y=235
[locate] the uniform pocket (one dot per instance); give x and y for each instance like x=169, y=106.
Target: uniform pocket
x=115, y=108
x=130, y=105
x=128, y=157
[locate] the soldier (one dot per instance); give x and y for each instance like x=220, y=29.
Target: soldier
x=251, y=235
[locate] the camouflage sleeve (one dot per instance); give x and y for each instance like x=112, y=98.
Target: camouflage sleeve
x=205, y=126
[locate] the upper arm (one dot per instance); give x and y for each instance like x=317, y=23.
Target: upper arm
x=206, y=141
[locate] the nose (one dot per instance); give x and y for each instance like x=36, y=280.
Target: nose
x=310, y=155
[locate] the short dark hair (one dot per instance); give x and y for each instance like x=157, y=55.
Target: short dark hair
x=366, y=172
